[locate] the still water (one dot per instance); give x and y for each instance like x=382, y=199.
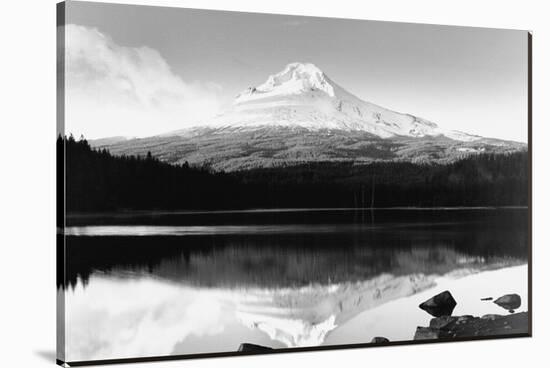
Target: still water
x=150, y=284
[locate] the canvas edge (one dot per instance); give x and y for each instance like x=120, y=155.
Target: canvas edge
x=530, y=186
x=287, y=350
x=60, y=183
x=60, y=241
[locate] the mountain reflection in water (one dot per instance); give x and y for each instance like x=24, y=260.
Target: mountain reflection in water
x=172, y=286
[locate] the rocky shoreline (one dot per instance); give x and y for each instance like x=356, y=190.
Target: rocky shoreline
x=470, y=326
x=446, y=326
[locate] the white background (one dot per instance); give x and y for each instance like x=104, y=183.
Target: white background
x=27, y=182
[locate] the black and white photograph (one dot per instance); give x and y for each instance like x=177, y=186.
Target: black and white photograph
x=233, y=183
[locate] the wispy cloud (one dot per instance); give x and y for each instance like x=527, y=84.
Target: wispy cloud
x=114, y=90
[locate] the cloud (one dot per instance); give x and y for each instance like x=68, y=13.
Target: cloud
x=116, y=90
x=135, y=318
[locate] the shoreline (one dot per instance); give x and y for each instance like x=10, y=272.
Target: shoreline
x=131, y=213
x=406, y=316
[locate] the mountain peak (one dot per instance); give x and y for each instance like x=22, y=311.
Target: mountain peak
x=302, y=95
x=295, y=78
x=305, y=75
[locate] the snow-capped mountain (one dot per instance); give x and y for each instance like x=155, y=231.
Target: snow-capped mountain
x=300, y=115
x=301, y=95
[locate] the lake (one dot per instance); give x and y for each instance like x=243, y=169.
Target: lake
x=165, y=283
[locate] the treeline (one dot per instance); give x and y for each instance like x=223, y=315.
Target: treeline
x=479, y=180
x=99, y=181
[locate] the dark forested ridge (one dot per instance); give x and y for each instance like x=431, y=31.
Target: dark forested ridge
x=99, y=181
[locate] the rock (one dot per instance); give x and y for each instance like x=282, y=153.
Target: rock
x=441, y=322
x=464, y=319
x=253, y=348
x=426, y=333
x=442, y=304
x=379, y=339
x=491, y=317
x=467, y=326
x=509, y=301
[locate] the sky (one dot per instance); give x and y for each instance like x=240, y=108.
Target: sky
x=141, y=70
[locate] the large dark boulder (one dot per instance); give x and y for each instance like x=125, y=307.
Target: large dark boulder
x=379, y=340
x=442, y=304
x=253, y=348
x=509, y=301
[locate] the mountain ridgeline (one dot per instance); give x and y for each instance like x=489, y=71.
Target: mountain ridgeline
x=301, y=115
x=298, y=140
x=96, y=180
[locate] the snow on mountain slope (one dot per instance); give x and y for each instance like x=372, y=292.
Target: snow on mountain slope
x=300, y=115
x=301, y=95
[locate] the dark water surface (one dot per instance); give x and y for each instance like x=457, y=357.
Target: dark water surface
x=293, y=248
x=277, y=278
